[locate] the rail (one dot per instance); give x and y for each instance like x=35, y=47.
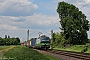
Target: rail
x=78, y=55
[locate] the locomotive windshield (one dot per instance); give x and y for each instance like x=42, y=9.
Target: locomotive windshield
x=45, y=38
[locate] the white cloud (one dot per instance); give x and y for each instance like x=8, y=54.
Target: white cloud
x=20, y=18
x=34, y=21
x=79, y=2
x=17, y=7
x=8, y=27
x=19, y=25
x=39, y=21
x=87, y=1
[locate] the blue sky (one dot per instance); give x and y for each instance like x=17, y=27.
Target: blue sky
x=17, y=16
x=47, y=7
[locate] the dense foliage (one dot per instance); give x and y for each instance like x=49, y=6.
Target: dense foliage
x=9, y=41
x=24, y=53
x=88, y=40
x=73, y=23
x=58, y=39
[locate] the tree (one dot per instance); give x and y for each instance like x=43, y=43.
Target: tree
x=88, y=40
x=18, y=39
x=1, y=41
x=9, y=41
x=5, y=36
x=8, y=36
x=73, y=23
x=59, y=40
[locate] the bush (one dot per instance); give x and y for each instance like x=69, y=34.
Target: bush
x=85, y=49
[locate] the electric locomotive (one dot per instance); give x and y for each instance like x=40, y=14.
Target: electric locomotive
x=43, y=42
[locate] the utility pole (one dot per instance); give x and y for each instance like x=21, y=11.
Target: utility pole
x=28, y=41
x=51, y=33
x=89, y=28
x=28, y=35
x=52, y=39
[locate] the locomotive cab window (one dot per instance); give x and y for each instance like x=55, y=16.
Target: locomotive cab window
x=45, y=38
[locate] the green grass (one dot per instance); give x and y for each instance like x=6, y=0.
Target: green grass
x=88, y=51
x=24, y=53
x=75, y=48
x=4, y=47
x=50, y=57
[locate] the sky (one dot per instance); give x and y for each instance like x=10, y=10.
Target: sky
x=17, y=16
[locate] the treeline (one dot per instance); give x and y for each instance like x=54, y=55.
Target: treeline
x=9, y=41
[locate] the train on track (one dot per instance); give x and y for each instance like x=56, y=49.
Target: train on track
x=42, y=42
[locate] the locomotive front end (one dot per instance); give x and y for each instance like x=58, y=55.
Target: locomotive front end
x=45, y=42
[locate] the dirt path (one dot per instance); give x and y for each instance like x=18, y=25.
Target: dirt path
x=1, y=54
x=4, y=50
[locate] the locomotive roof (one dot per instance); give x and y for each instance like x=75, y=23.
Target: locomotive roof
x=42, y=36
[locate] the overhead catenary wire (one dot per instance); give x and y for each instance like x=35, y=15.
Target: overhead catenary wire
x=80, y=8
x=80, y=1
x=57, y=22
x=84, y=5
x=51, y=26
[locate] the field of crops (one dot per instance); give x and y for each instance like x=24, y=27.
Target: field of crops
x=24, y=53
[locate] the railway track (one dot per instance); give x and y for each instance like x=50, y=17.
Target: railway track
x=77, y=55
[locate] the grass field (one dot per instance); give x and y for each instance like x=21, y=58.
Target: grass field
x=75, y=48
x=4, y=47
x=50, y=57
x=24, y=53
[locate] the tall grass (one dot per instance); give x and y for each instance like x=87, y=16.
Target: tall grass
x=24, y=53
